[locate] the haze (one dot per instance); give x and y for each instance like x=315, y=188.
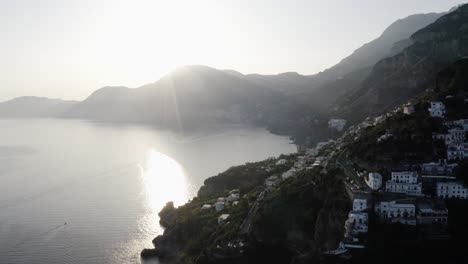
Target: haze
x=68, y=49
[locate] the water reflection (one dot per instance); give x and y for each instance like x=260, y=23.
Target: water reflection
x=164, y=181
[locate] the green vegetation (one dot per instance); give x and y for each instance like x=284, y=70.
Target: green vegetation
x=305, y=213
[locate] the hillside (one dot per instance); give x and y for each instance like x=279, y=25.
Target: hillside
x=393, y=80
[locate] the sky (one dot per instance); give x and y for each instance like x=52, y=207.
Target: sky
x=69, y=48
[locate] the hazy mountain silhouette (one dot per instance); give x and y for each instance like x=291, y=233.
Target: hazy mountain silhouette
x=189, y=96
x=32, y=107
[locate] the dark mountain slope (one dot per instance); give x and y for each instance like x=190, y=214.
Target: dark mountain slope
x=393, y=80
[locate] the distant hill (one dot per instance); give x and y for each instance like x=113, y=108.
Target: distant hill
x=190, y=96
x=393, y=80
x=34, y=107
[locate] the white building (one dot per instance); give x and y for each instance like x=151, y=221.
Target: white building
x=206, y=206
x=337, y=124
x=432, y=213
x=408, y=109
x=402, y=211
x=455, y=136
x=272, y=181
x=404, y=177
x=438, y=168
x=281, y=162
x=451, y=190
x=290, y=173
x=404, y=182
x=457, y=151
x=359, y=205
x=219, y=206
x=407, y=188
x=222, y=219
x=461, y=123
x=357, y=223
x=437, y=109
x=374, y=181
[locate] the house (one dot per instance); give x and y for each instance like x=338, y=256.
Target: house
x=206, y=206
x=408, y=109
x=288, y=174
x=356, y=223
x=432, y=213
x=384, y=137
x=438, y=168
x=455, y=136
x=281, y=162
x=222, y=219
x=337, y=124
x=457, y=151
x=404, y=182
x=359, y=205
x=233, y=197
x=219, y=206
x=397, y=211
x=451, y=190
x=404, y=177
x=437, y=109
x=374, y=181
x=272, y=181
x=461, y=123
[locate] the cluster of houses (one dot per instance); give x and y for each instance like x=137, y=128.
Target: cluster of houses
x=357, y=224
x=416, y=197
x=455, y=138
x=222, y=202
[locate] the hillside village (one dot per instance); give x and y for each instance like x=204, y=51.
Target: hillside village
x=412, y=189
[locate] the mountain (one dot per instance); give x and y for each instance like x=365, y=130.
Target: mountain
x=322, y=89
x=189, y=96
x=34, y=107
x=389, y=42
x=394, y=79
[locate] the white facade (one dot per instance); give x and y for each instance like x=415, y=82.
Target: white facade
x=357, y=223
x=461, y=123
x=438, y=168
x=457, y=151
x=451, y=190
x=219, y=206
x=397, y=211
x=437, y=109
x=405, y=177
x=455, y=136
x=337, y=124
x=281, y=162
x=374, y=181
x=222, y=219
x=359, y=205
x=407, y=188
x=432, y=213
x=404, y=182
x=408, y=109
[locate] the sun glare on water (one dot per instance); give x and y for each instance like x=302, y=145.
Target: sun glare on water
x=164, y=181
